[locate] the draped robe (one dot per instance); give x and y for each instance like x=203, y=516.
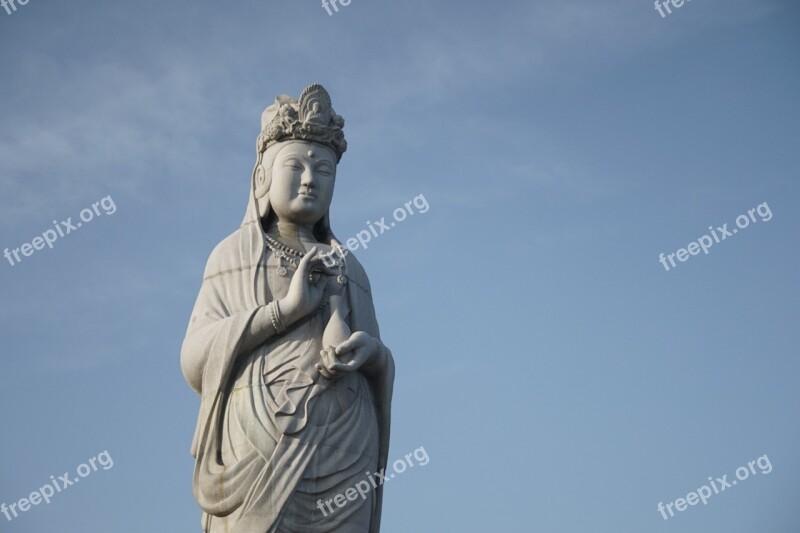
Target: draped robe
x=272, y=434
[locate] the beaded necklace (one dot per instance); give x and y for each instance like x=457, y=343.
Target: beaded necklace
x=292, y=258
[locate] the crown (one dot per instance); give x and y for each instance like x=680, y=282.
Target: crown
x=311, y=118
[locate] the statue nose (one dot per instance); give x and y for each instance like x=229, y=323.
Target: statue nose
x=307, y=178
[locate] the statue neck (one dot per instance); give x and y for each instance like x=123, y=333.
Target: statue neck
x=298, y=236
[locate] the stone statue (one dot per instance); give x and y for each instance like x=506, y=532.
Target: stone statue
x=284, y=350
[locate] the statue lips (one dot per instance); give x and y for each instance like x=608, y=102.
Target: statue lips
x=307, y=196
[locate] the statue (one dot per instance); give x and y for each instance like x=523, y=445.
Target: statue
x=284, y=350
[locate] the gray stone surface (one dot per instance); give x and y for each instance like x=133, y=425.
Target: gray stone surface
x=284, y=350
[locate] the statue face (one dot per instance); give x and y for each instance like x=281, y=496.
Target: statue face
x=303, y=175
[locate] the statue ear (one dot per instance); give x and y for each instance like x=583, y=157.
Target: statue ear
x=262, y=183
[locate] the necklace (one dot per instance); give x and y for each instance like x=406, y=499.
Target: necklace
x=283, y=253
x=276, y=245
x=286, y=253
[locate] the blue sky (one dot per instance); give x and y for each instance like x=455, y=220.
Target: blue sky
x=558, y=377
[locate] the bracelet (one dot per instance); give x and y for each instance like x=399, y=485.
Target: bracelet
x=275, y=317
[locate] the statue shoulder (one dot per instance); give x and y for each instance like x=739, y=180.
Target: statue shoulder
x=226, y=255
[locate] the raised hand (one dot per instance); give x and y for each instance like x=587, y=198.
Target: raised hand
x=306, y=288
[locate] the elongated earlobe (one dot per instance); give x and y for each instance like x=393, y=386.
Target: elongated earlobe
x=262, y=185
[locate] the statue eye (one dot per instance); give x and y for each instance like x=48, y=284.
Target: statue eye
x=293, y=164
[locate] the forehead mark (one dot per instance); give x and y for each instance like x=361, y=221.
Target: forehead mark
x=311, y=154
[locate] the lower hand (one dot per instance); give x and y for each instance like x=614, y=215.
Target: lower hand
x=359, y=350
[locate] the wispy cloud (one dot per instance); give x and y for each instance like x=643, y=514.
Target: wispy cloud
x=127, y=125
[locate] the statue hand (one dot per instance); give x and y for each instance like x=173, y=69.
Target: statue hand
x=304, y=295
x=359, y=350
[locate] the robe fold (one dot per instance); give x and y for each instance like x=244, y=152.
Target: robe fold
x=273, y=436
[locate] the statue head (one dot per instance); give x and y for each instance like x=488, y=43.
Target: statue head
x=297, y=151
x=298, y=177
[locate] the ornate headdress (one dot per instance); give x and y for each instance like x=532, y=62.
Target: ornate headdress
x=311, y=118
